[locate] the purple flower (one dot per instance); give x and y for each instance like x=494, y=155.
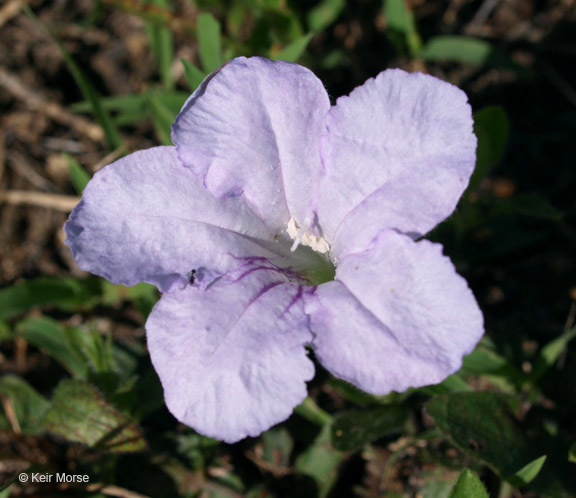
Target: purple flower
x=278, y=222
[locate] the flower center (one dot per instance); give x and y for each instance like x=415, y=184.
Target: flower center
x=299, y=236
x=318, y=268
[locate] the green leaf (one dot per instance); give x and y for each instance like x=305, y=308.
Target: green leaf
x=161, y=41
x=572, y=453
x=48, y=335
x=144, y=295
x=550, y=354
x=468, y=486
x=466, y=50
x=193, y=75
x=452, y=383
x=115, y=293
x=5, y=332
x=457, y=49
x=209, y=47
x=277, y=446
x=353, y=429
x=320, y=461
x=401, y=27
x=491, y=127
x=529, y=204
x=79, y=176
x=29, y=406
x=484, y=425
x=527, y=473
x=161, y=117
x=309, y=410
x=293, y=51
x=5, y=489
x=81, y=414
x=118, y=103
x=324, y=14
x=434, y=489
x=64, y=293
x=483, y=361
x=90, y=94
x=351, y=393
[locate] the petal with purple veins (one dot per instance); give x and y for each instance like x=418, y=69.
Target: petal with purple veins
x=232, y=358
x=147, y=218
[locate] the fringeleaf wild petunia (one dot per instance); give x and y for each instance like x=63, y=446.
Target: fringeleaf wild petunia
x=302, y=224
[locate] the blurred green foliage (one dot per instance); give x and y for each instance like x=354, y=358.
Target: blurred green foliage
x=105, y=400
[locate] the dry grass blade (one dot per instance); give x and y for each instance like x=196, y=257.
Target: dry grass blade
x=10, y=10
x=112, y=490
x=58, y=202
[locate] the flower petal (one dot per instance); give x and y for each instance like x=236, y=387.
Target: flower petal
x=253, y=127
x=400, y=146
x=232, y=358
x=148, y=218
x=397, y=316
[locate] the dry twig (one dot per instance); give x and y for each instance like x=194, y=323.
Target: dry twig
x=51, y=109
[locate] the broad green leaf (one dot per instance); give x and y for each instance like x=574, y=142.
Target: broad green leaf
x=530, y=204
x=193, y=75
x=484, y=425
x=468, y=486
x=491, y=127
x=572, y=453
x=78, y=175
x=209, y=47
x=320, y=461
x=401, y=27
x=324, y=14
x=293, y=51
x=354, y=429
x=90, y=94
x=48, y=335
x=80, y=413
x=527, y=473
x=29, y=406
x=65, y=293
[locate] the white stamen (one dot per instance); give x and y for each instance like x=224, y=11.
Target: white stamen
x=300, y=236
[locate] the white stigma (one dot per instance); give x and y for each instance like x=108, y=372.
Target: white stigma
x=299, y=236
